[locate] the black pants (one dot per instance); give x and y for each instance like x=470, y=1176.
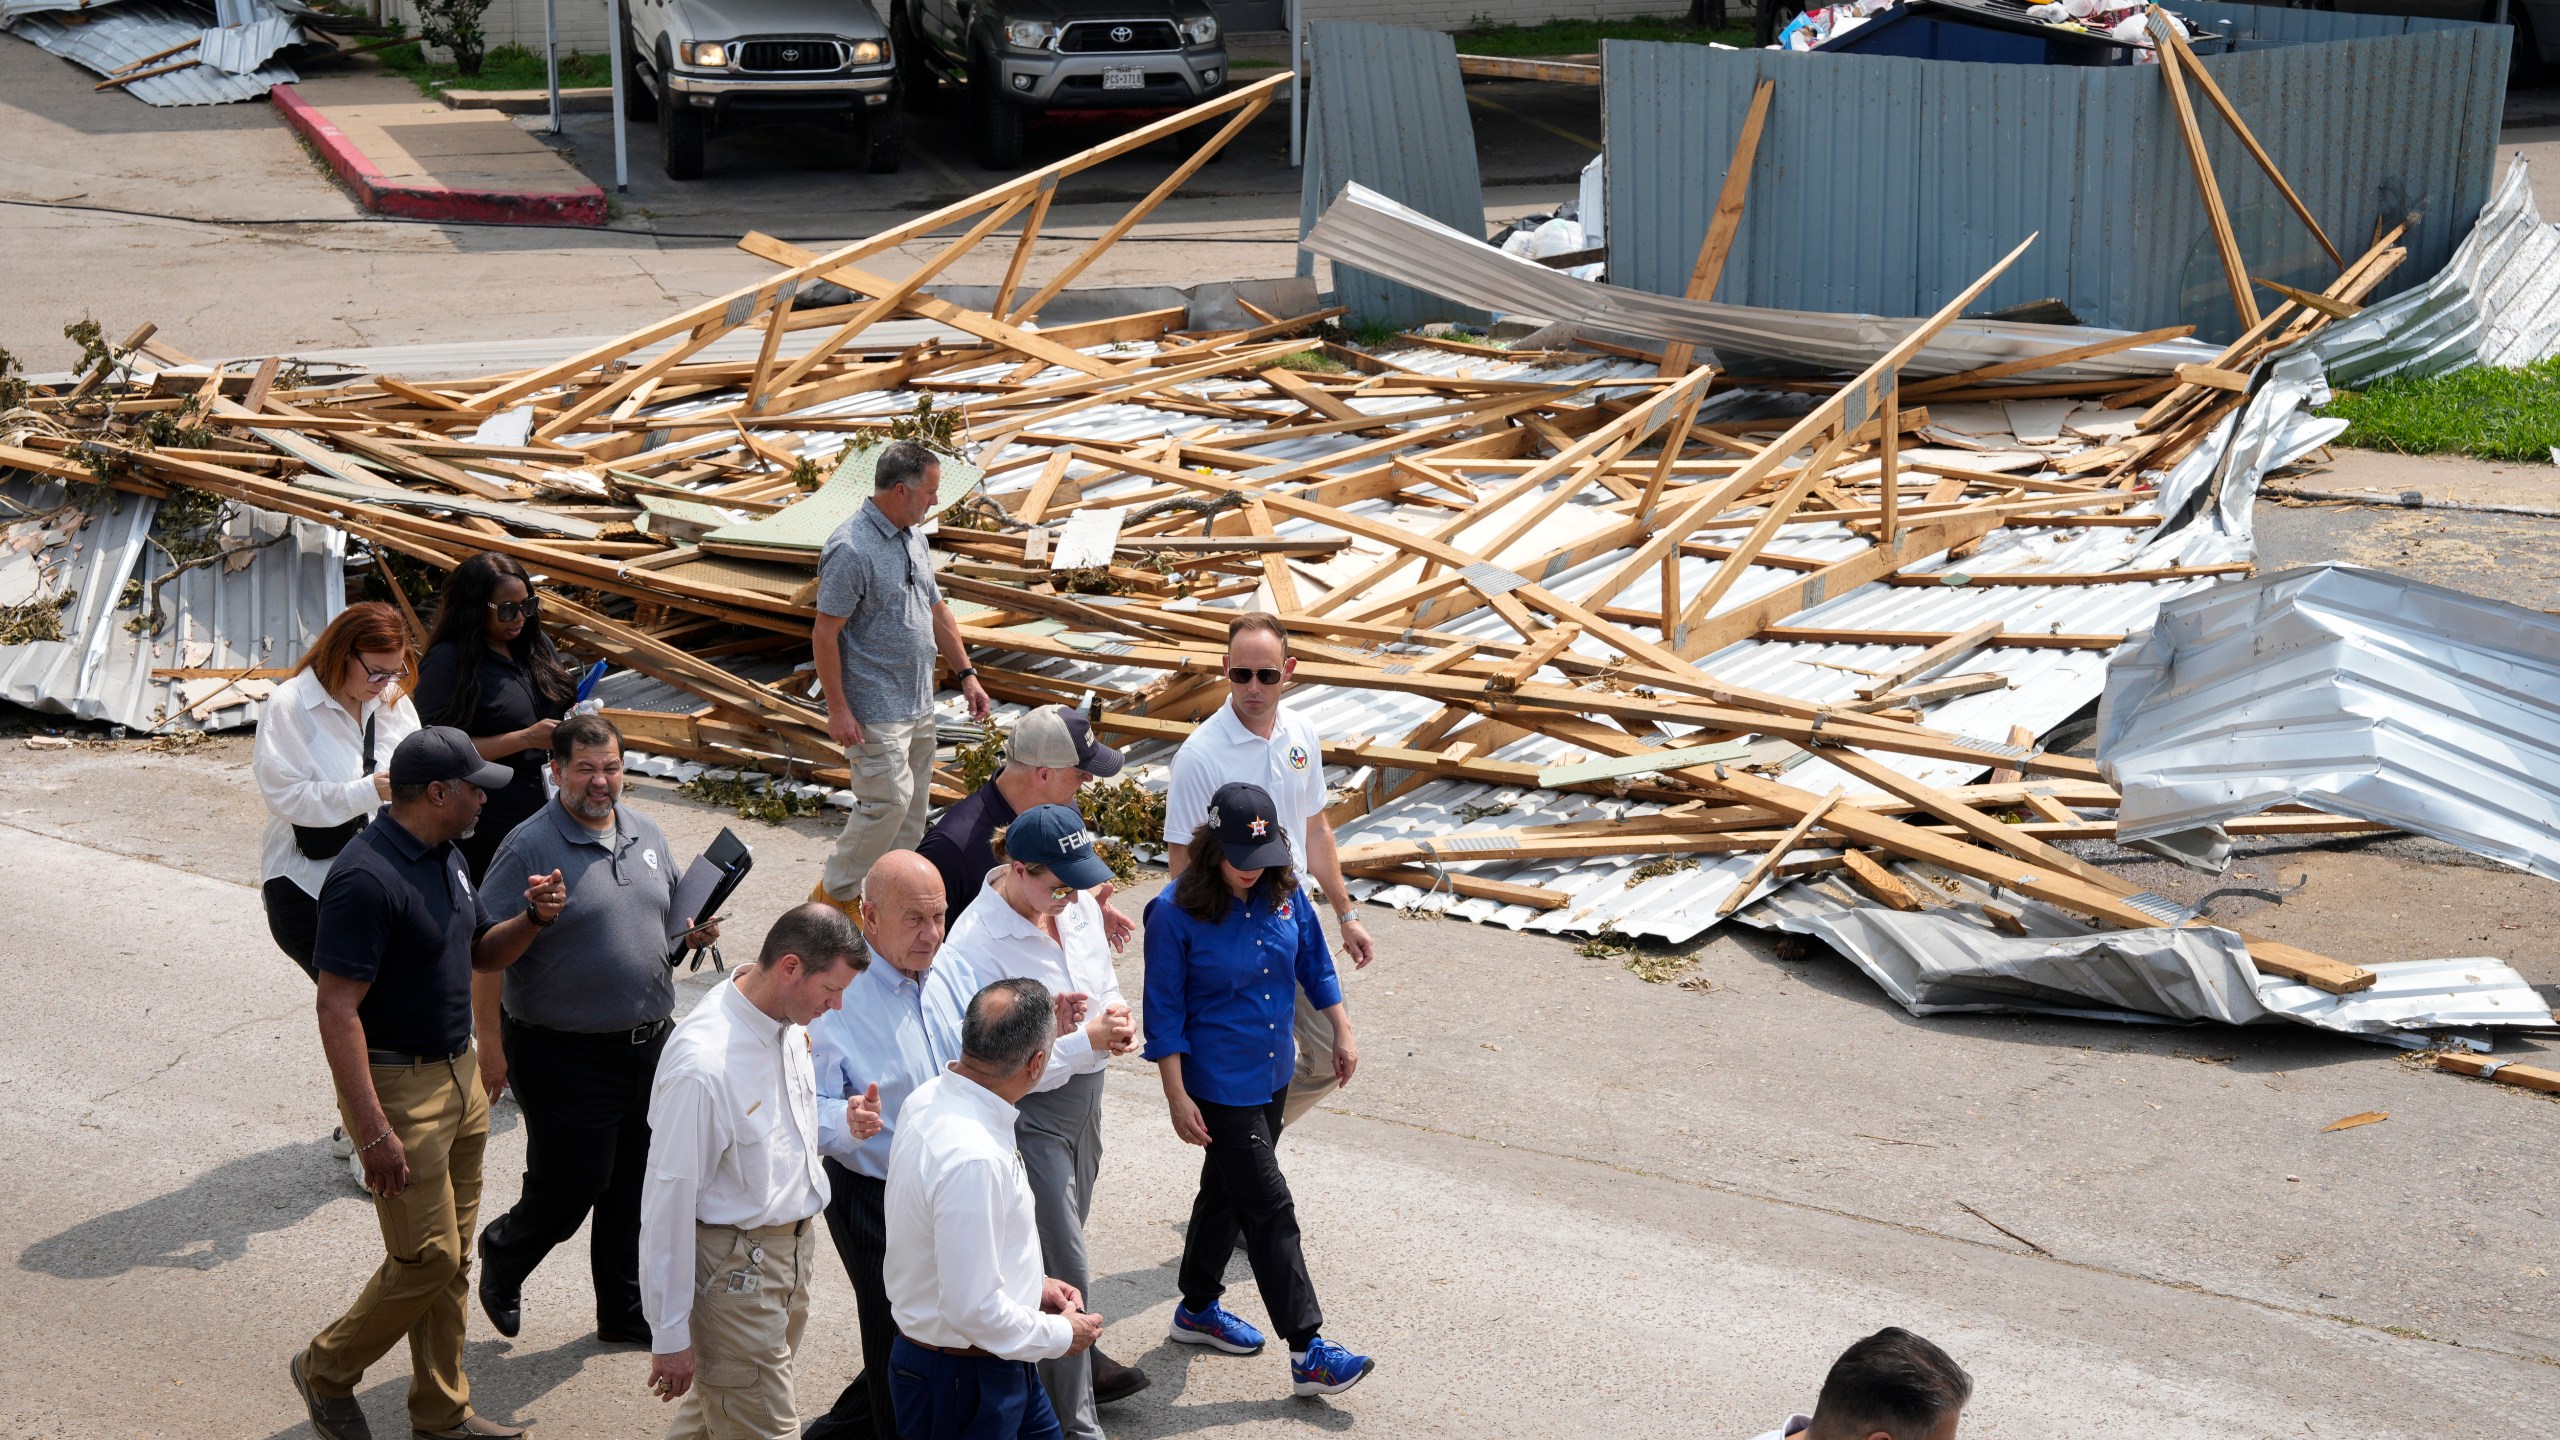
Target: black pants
x=293, y=917
x=586, y=1121
x=857, y=1219
x=1241, y=1187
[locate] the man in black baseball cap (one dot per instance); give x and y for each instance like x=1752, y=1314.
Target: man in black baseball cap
x=400, y=932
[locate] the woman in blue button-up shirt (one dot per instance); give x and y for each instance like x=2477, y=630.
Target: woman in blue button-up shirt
x=1228, y=945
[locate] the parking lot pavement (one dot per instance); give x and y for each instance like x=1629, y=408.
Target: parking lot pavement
x=1556, y=1200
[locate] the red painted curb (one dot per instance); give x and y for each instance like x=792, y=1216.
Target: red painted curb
x=583, y=205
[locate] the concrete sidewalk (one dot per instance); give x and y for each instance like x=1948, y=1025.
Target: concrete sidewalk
x=406, y=155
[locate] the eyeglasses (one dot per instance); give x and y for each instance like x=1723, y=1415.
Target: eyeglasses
x=515, y=609
x=1246, y=675
x=382, y=677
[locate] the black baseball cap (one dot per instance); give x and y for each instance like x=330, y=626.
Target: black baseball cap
x=1249, y=826
x=441, y=752
x=1054, y=836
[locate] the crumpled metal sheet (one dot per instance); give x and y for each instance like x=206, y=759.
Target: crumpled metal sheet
x=114, y=36
x=1365, y=229
x=1950, y=961
x=2349, y=690
x=2216, y=485
x=2496, y=302
x=261, y=609
x=241, y=49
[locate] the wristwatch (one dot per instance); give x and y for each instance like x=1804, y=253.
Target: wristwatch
x=970, y=673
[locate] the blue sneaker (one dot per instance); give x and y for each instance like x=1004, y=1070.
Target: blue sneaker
x=1329, y=1369
x=1215, y=1327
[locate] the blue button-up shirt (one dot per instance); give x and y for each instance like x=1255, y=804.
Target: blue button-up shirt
x=878, y=1038
x=1222, y=996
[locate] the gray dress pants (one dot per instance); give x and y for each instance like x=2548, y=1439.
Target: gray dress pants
x=1060, y=1132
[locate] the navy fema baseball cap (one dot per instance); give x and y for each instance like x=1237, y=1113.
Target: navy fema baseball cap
x=1054, y=836
x=440, y=752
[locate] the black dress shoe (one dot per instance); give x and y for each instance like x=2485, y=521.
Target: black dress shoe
x=1113, y=1381
x=504, y=1304
x=623, y=1332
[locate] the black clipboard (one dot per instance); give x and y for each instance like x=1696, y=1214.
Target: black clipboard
x=729, y=859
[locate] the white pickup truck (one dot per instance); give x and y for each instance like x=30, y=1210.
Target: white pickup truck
x=695, y=65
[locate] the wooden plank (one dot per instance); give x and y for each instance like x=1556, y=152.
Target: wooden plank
x=1794, y=837
x=1530, y=661
x=1275, y=567
x=2022, y=639
x=1722, y=224
x=1022, y=246
x=2505, y=1072
x=2235, y=271
x=1937, y=657
x=1587, y=771
x=1509, y=67
x=2165, y=34
x=1922, y=389
x=1881, y=885
x=1536, y=897
x=2213, y=377
x=2074, y=577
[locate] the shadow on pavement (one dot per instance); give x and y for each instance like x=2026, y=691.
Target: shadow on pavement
x=203, y=1224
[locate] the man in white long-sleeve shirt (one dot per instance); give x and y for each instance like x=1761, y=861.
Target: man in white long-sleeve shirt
x=974, y=1311
x=734, y=1186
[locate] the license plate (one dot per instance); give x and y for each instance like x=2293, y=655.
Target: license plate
x=1123, y=77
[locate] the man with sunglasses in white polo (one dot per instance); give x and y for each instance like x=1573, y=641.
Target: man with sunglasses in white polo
x=1255, y=740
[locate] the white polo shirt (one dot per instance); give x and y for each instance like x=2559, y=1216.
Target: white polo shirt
x=1223, y=752
x=992, y=941
x=962, y=1264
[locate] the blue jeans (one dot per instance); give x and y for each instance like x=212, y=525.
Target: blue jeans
x=967, y=1397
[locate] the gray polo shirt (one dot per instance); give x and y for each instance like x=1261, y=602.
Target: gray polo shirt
x=602, y=966
x=879, y=579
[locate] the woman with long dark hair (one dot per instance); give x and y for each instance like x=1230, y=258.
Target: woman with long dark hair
x=491, y=673
x=1229, y=944
x=324, y=749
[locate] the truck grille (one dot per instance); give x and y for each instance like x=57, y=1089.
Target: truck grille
x=784, y=57
x=1106, y=37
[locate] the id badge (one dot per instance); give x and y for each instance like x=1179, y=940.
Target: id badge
x=745, y=1282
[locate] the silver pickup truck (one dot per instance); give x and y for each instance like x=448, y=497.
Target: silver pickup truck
x=1017, y=58
x=694, y=65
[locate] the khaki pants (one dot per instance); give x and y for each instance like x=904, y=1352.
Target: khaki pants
x=1314, y=1078
x=442, y=1118
x=892, y=793
x=750, y=1303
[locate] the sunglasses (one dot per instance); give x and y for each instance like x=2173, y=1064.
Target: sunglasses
x=515, y=609
x=1062, y=892
x=382, y=677
x=1245, y=675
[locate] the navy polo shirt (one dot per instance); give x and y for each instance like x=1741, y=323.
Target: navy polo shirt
x=1223, y=996
x=961, y=845
x=400, y=915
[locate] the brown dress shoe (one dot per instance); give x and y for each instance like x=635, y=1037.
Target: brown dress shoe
x=472, y=1425
x=332, y=1417
x=1114, y=1381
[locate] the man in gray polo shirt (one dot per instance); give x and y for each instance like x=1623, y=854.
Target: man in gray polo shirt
x=587, y=1010
x=881, y=619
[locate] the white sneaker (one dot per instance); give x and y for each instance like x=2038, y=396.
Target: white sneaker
x=340, y=1147
x=355, y=1166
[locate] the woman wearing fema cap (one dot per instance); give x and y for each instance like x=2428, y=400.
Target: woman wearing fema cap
x=1229, y=945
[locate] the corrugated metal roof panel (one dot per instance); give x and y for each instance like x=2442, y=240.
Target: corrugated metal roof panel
x=264, y=612
x=1387, y=109
x=122, y=34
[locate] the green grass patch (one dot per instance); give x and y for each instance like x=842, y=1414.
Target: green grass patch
x=508, y=67
x=1313, y=361
x=1583, y=37
x=1253, y=64
x=2493, y=414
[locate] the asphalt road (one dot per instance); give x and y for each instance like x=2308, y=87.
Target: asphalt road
x=1557, y=1200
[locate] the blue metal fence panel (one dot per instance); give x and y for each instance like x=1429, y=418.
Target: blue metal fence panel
x=1885, y=184
x=1387, y=109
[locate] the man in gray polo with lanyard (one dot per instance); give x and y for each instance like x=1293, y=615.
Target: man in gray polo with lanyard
x=881, y=620
x=587, y=1010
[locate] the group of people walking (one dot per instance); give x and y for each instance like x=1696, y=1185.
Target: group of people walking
x=915, y=1058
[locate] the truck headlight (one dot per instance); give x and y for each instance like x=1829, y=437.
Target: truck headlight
x=710, y=55
x=870, y=52
x=1200, y=31
x=1030, y=34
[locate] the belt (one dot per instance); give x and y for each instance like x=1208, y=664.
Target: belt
x=398, y=1057
x=966, y=1352
x=780, y=1230
x=636, y=1035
